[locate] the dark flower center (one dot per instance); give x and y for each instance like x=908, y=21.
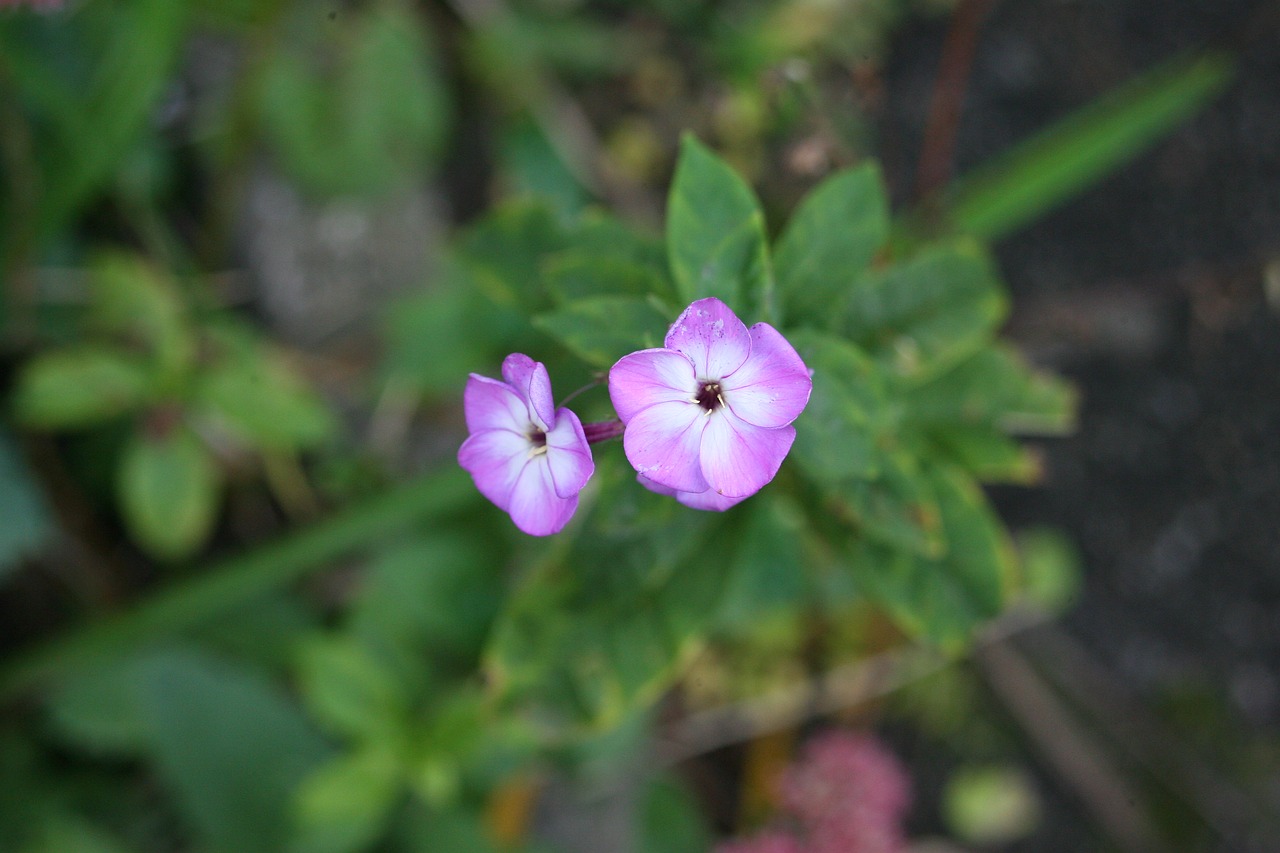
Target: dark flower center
x=709, y=396
x=537, y=438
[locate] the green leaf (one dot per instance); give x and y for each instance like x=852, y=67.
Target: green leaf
x=96, y=107
x=928, y=312
x=987, y=453
x=343, y=806
x=81, y=387
x=1051, y=577
x=577, y=274
x=349, y=691
x=766, y=573
x=135, y=300
x=670, y=821
x=836, y=434
x=994, y=387
x=505, y=253
x=254, y=393
x=366, y=120
x=431, y=599
x=898, y=508
x=169, y=488
x=230, y=748
x=944, y=598
x=25, y=522
x=602, y=329
x=828, y=243
x=991, y=805
x=1064, y=159
x=715, y=235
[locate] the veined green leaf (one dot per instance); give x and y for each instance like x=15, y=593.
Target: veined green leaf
x=603, y=329
x=922, y=315
x=828, y=243
x=715, y=235
x=169, y=488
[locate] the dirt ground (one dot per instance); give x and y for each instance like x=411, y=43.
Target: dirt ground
x=1158, y=293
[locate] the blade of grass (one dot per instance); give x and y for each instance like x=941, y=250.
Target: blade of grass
x=1023, y=184
x=237, y=580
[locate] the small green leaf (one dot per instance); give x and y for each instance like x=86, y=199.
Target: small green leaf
x=343, y=806
x=991, y=805
x=602, y=329
x=836, y=434
x=716, y=241
x=943, y=598
x=81, y=387
x=135, y=300
x=1051, y=577
x=995, y=387
x=574, y=275
x=766, y=573
x=505, y=253
x=897, y=508
x=254, y=393
x=169, y=487
x=349, y=691
x=928, y=312
x=368, y=119
x=828, y=243
x=986, y=453
x=230, y=749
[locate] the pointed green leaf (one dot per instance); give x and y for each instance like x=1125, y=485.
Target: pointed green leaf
x=715, y=235
x=76, y=388
x=169, y=489
x=926, y=313
x=836, y=433
x=602, y=329
x=944, y=598
x=343, y=806
x=230, y=748
x=828, y=243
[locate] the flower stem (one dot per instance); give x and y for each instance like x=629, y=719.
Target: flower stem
x=602, y=431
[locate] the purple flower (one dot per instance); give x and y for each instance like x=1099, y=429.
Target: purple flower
x=525, y=455
x=708, y=417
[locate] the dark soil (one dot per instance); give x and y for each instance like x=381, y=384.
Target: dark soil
x=1150, y=292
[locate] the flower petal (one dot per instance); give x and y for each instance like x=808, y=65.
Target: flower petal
x=535, y=507
x=495, y=459
x=772, y=386
x=531, y=381
x=662, y=442
x=490, y=404
x=712, y=336
x=639, y=380
x=569, y=455
x=739, y=458
x=694, y=500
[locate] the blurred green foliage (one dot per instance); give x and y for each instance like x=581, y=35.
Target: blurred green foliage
x=234, y=709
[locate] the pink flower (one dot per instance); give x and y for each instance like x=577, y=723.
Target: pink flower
x=850, y=793
x=708, y=417
x=525, y=455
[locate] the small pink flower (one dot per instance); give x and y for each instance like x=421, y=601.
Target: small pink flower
x=525, y=455
x=708, y=416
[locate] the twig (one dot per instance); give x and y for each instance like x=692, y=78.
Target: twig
x=938, y=149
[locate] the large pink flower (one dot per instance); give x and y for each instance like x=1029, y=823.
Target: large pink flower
x=525, y=455
x=708, y=417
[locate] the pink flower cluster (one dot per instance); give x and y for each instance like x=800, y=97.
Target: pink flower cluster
x=705, y=419
x=846, y=794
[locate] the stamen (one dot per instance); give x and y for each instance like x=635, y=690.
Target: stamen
x=709, y=396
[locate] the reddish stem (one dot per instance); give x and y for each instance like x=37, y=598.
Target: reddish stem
x=602, y=431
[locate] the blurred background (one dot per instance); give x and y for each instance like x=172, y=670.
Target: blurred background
x=226, y=250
